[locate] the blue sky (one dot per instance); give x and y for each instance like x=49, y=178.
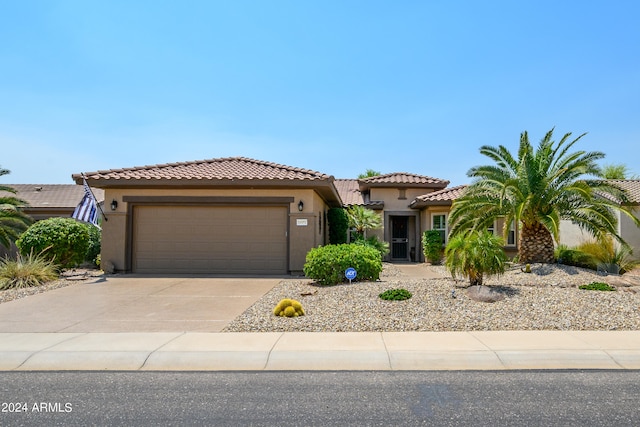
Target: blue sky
x=333, y=86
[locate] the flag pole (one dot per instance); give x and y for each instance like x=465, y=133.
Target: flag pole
x=84, y=180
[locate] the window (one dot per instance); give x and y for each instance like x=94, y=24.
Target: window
x=402, y=193
x=439, y=222
x=492, y=228
x=511, y=237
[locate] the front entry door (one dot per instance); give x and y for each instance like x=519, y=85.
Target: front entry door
x=399, y=237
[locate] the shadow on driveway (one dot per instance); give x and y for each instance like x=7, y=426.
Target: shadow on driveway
x=135, y=303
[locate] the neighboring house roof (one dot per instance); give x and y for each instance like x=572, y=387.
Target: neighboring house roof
x=228, y=171
x=443, y=197
x=631, y=186
x=402, y=179
x=349, y=191
x=51, y=196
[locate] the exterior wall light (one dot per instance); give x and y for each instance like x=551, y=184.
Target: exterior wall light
x=300, y=206
x=114, y=204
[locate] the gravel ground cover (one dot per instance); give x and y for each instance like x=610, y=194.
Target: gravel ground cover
x=68, y=277
x=546, y=299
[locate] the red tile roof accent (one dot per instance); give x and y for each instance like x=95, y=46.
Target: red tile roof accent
x=228, y=168
x=404, y=179
x=51, y=195
x=441, y=197
x=349, y=192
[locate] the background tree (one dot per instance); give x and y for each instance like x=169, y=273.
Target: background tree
x=474, y=255
x=362, y=219
x=617, y=171
x=368, y=174
x=12, y=220
x=536, y=190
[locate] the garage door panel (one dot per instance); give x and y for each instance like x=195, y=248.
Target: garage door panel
x=199, y=239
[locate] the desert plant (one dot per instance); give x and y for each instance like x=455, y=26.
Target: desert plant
x=326, y=264
x=288, y=308
x=338, y=225
x=597, y=286
x=536, y=189
x=395, y=295
x=26, y=271
x=474, y=255
x=62, y=240
x=374, y=242
x=362, y=219
x=605, y=252
x=432, y=246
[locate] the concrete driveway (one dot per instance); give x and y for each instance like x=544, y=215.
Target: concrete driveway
x=131, y=303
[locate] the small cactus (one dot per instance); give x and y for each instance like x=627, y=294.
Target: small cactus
x=526, y=268
x=288, y=308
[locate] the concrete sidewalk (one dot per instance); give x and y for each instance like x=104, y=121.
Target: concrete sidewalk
x=176, y=351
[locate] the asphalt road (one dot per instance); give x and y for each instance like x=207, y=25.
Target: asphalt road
x=549, y=398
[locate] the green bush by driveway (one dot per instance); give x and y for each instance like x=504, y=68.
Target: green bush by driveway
x=62, y=240
x=326, y=264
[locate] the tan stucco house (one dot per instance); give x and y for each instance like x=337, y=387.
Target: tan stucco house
x=228, y=215
x=240, y=216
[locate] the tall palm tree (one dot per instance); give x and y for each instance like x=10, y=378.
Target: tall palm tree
x=538, y=189
x=12, y=220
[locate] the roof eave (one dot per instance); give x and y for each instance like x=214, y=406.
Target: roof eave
x=363, y=186
x=421, y=204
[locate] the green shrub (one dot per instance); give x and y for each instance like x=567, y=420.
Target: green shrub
x=93, y=252
x=597, y=286
x=31, y=270
x=62, y=240
x=338, y=225
x=326, y=264
x=380, y=245
x=432, y=246
x=395, y=295
x=288, y=308
x=575, y=257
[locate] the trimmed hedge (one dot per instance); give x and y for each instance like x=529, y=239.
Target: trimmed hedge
x=432, y=246
x=326, y=264
x=63, y=241
x=338, y=225
x=575, y=258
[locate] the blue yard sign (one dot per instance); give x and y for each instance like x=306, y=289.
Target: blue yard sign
x=350, y=273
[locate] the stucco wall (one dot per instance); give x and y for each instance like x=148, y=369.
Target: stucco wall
x=392, y=200
x=631, y=233
x=572, y=235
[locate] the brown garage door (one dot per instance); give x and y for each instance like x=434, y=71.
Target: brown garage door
x=205, y=239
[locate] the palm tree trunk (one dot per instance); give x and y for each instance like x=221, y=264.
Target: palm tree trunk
x=536, y=244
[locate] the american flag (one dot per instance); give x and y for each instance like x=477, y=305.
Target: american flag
x=87, y=209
